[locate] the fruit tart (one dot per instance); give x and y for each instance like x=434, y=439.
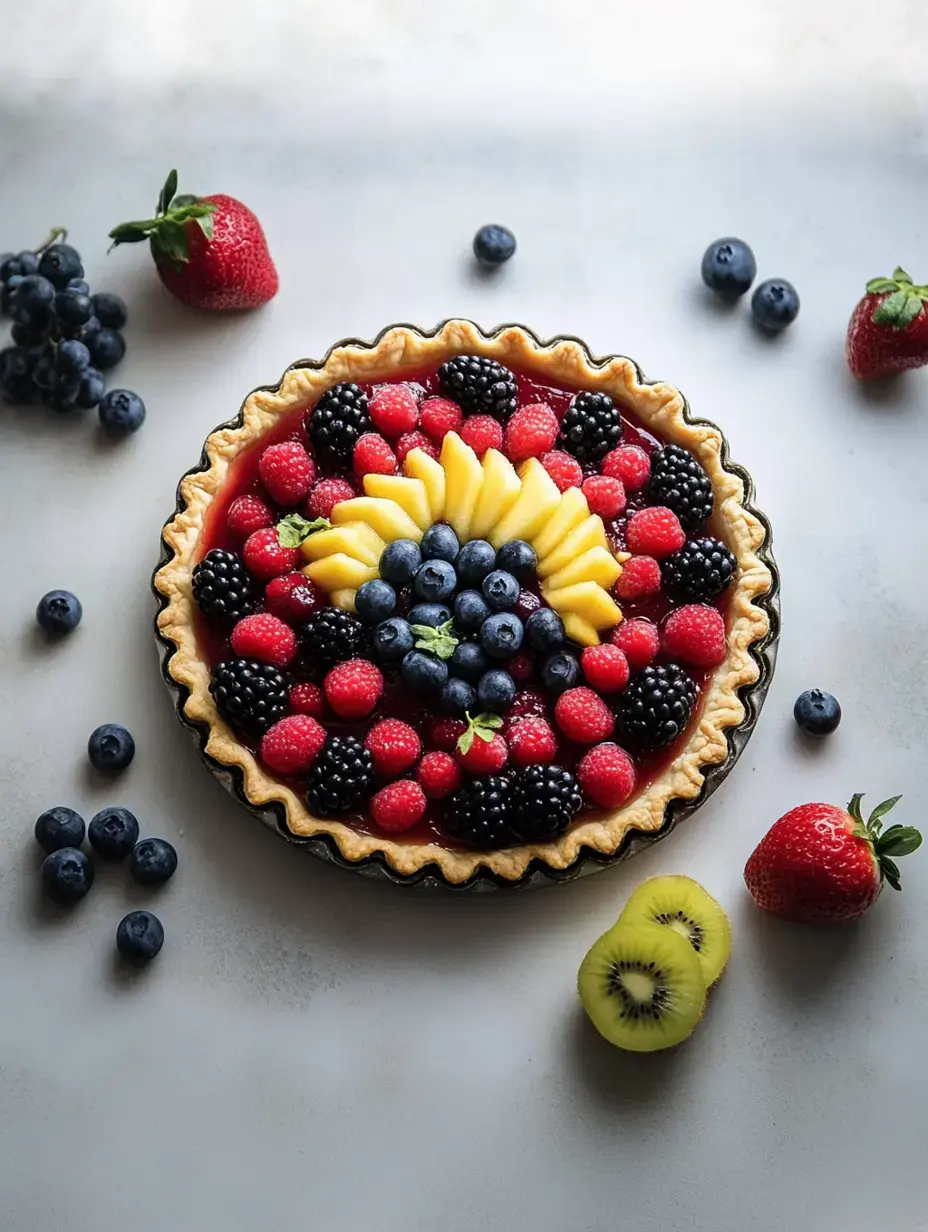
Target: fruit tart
x=467, y=607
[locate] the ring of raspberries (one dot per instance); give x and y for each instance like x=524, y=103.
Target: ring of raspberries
x=464, y=608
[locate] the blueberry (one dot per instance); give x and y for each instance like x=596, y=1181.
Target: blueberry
x=32, y=299
x=67, y=875
x=470, y=611
x=435, y=580
x=817, y=713
x=440, y=543
x=121, y=412
x=544, y=631
x=518, y=558
x=501, y=635
x=496, y=690
x=399, y=562
x=423, y=673
x=7, y=293
x=59, y=612
x=32, y=335
x=139, y=937
x=774, y=305
x=18, y=265
x=110, y=309
x=469, y=661
x=728, y=267
x=152, y=861
x=110, y=748
x=91, y=389
x=59, y=263
x=560, y=672
x=43, y=374
x=78, y=284
x=457, y=697
x=375, y=601
x=392, y=640
x=113, y=832
x=72, y=308
x=66, y=391
x=474, y=561
x=107, y=347
x=431, y=614
x=59, y=827
x=16, y=367
x=72, y=357
x=494, y=244
x=501, y=591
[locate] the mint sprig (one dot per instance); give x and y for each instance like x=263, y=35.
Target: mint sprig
x=294, y=530
x=903, y=302
x=440, y=642
x=482, y=726
x=897, y=841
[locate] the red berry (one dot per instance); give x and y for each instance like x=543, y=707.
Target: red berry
x=353, y=688
x=439, y=775
x=527, y=704
x=438, y=416
x=607, y=775
x=532, y=742
x=605, y=667
x=293, y=597
x=563, y=468
x=265, y=557
x=398, y=806
x=445, y=733
x=264, y=637
x=482, y=432
x=292, y=744
x=639, y=640
x=583, y=716
x=629, y=463
x=531, y=432
x=248, y=514
x=484, y=756
x=393, y=409
x=414, y=440
x=373, y=456
x=641, y=578
x=604, y=495
x=287, y=471
x=527, y=603
x=521, y=668
x=326, y=495
x=654, y=532
x=307, y=698
x=695, y=635
x=394, y=747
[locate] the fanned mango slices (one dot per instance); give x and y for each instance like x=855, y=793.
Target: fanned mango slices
x=355, y=539
x=463, y=482
x=587, y=600
x=409, y=494
x=501, y=487
x=386, y=517
x=595, y=565
x=571, y=511
x=340, y=572
x=419, y=465
x=537, y=500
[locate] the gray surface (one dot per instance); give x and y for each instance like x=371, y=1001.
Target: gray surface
x=313, y=1051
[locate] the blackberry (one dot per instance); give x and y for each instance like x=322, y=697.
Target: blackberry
x=223, y=587
x=331, y=636
x=251, y=695
x=480, y=814
x=657, y=705
x=680, y=483
x=699, y=571
x=336, y=422
x=481, y=386
x=591, y=427
x=544, y=801
x=341, y=777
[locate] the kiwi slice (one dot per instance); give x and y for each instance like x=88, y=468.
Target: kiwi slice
x=642, y=987
x=680, y=903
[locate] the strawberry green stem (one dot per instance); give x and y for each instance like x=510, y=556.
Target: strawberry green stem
x=167, y=232
x=896, y=842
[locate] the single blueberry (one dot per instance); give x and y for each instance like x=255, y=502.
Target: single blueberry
x=435, y=581
x=392, y=640
x=107, y=347
x=92, y=388
x=496, y=690
x=375, y=601
x=501, y=591
x=474, y=561
x=431, y=614
x=494, y=244
x=152, y=861
x=399, y=562
x=518, y=558
x=501, y=635
x=423, y=673
x=110, y=310
x=44, y=374
x=32, y=298
x=817, y=713
x=728, y=267
x=457, y=697
x=78, y=284
x=59, y=612
x=560, y=672
x=469, y=661
x=72, y=307
x=8, y=292
x=72, y=357
x=59, y=827
x=139, y=937
x=8, y=265
x=110, y=748
x=67, y=875
x=59, y=263
x=544, y=631
x=113, y=832
x=774, y=305
x=440, y=543
x=470, y=611
x=121, y=412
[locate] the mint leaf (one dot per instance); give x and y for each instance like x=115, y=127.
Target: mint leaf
x=294, y=530
x=440, y=642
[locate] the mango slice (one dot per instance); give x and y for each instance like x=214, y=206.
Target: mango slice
x=501, y=487
x=569, y=513
x=384, y=516
x=463, y=481
x=355, y=539
x=589, y=534
x=419, y=465
x=595, y=565
x=588, y=601
x=579, y=630
x=538, y=498
x=345, y=600
x=409, y=494
x=340, y=572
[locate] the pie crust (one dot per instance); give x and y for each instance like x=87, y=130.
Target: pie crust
x=563, y=361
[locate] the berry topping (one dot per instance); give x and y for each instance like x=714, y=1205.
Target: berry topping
x=639, y=640
x=336, y=423
x=774, y=305
x=287, y=471
x=474, y=561
x=414, y=440
x=583, y=716
x=605, y=495
x=251, y=695
x=545, y=800
x=110, y=748
x=728, y=267
x=559, y=672
x=153, y=861
x=563, y=469
x=326, y=495
x=527, y=704
x=531, y=742
x=654, y=532
x=398, y=806
x=435, y=581
x=656, y=706
x=332, y=636
x=591, y=427
x=423, y=673
x=480, y=385
x=605, y=667
x=113, y=832
x=439, y=775
x=294, y=598
x=59, y=612
x=694, y=635
x=457, y=696
x=496, y=691
x=340, y=780
x=527, y=604
x=439, y=416
x=521, y=667
x=699, y=572
x=307, y=698
x=501, y=591
x=59, y=827
x=222, y=588
x=266, y=557
x=292, y=744
x=67, y=875
x=494, y=244
x=607, y=775
x=373, y=456
x=479, y=813
x=139, y=937
x=679, y=483
x=501, y=635
x=817, y=713
x=640, y=578
x=392, y=640
x=544, y=631
x=629, y=463
x=248, y=514
x=518, y=558
x=531, y=431
x=353, y=688
x=394, y=747
x=393, y=409
x=445, y=733
x=265, y=638
x=482, y=432
x=399, y=562
x=481, y=749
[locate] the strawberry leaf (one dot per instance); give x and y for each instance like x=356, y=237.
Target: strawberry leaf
x=295, y=530
x=882, y=809
x=854, y=807
x=466, y=739
x=483, y=726
x=900, y=275
x=900, y=309
x=890, y=873
x=166, y=196
x=899, y=841
x=881, y=286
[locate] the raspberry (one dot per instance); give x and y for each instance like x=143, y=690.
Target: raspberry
x=393, y=409
x=483, y=756
x=394, y=747
x=307, y=698
x=398, y=806
x=521, y=668
x=638, y=640
x=641, y=578
x=607, y=775
x=439, y=416
x=353, y=688
x=293, y=597
x=482, y=432
x=527, y=603
x=373, y=456
x=293, y=744
x=563, y=469
x=531, y=432
x=527, y=704
x=265, y=557
x=264, y=637
x=583, y=716
x=439, y=775
x=606, y=668
x=629, y=463
x=532, y=742
x=445, y=733
x=248, y=514
x=326, y=495
x=695, y=635
x=654, y=532
x=414, y=440
x=287, y=471
x=604, y=495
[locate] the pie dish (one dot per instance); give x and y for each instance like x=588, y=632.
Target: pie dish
x=725, y=697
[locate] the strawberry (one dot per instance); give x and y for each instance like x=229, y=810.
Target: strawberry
x=481, y=749
x=210, y=251
x=888, y=330
x=821, y=865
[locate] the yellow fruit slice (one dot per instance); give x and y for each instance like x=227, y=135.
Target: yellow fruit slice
x=538, y=498
x=345, y=600
x=589, y=534
x=384, y=516
x=355, y=539
x=595, y=565
x=569, y=513
x=409, y=494
x=579, y=630
x=501, y=487
x=463, y=481
x=588, y=601
x=419, y=465
x=340, y=572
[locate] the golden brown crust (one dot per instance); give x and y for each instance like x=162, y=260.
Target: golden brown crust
x=562, y=362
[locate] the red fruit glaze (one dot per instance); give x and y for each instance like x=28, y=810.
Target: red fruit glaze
x=629, y=463
x=326, y=495
x=655, y=531
x=604, y=495
x=248, y=514
x=393, y=409
x=264, y=637
x=439, y=775
x=353, y=688
x=583, y=716
x=265, y=557
x=414, y=440
x=373, y=456
x=641, y=578
x=530, y=432
x=563, y=468
x=482, y=432
x=292, y=744
x=439, y=416
x=294, y=598
x=607, y=775
x=531, y=742
x=394, y=747
x=307, y=698
x=694, y=636
x=288, y=472
x=605, y=667
x=639, y=640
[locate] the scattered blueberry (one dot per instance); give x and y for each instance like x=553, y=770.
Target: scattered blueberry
x=774, y=305
x=431, y=614
x=107, y=347
x=457, y=697
x=544, y=631
x=440, y=543
x=423, y=673
x=474, y=561
x=817, y=713
x=501, y=635
x=59, y=612
x=375, y=601
x=121, y=412
x=501, y=590
x=59, y=263
x=110, y=748
x=518, y=558
x=152, y=861
x=113, y=832
x=72, y=308
x=560, y=672
x=67, y=875
x=59, y=827
x=496, y=690
x=110, y=310
x=469, y=661
x=470, y=611
x=435, y=581
x=72, y=357
x=139, y=937
x=494, y=244
x=728, y=267
x=392, y=640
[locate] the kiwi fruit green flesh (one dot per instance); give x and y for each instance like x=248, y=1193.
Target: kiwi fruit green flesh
x=681, y=904
x=642, y=987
